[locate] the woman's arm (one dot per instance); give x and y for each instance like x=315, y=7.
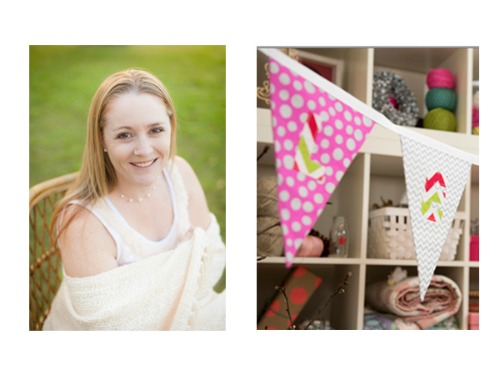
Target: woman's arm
x=199, y=213
x=87, y=248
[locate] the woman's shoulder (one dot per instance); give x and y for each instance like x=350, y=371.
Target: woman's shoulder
x=86, y=246
x=199, y=213
x=188, y=175
x=184, y=168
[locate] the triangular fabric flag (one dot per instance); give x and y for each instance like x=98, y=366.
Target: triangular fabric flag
x=316, y=137
x=435, y=181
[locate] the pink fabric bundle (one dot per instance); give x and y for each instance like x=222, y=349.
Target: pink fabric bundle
x=442, y=300
x=311, y=247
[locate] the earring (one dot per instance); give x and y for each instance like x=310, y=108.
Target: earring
x=105, y=150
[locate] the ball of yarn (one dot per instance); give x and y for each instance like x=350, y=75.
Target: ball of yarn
x=440, y=77
x=387, y=85
x=475, y=100
x=475, y=117
x=440, y=119
x=269, y=232
x=269, y=237
x=441, y=98
x=267, y=197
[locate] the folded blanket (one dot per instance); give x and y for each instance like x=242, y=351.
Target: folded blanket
x=402, y=299
x=171, y=290
x=382, y=321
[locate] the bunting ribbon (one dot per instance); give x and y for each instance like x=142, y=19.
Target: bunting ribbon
x=318, y=128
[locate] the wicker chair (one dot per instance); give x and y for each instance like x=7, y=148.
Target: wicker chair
x=45, y=260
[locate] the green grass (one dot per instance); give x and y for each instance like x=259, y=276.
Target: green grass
x=63, y=80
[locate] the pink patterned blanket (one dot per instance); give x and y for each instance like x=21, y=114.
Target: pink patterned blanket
x=442, y=300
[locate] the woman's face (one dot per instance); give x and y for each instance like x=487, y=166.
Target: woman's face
x=136, y=135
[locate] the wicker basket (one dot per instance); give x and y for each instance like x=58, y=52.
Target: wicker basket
x=390, y=235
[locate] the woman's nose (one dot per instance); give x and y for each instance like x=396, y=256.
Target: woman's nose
x=143, y=146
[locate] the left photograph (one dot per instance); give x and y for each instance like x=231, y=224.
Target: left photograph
x=127, y=188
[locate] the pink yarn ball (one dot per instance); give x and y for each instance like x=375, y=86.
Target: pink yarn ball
x=440, y=78
x=475, y=117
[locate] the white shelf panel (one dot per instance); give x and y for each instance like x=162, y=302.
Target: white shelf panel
x=380, y=140
x=264, y=130
x=419, y=60
x=298, y=261
x=310, y=261
x=385, y=142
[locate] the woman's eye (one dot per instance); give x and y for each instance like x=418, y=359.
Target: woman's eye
x=124, y=136
x=157, y=130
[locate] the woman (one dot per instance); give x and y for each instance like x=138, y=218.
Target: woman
x=139, y=246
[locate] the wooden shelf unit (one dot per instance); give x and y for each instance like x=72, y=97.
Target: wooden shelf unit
x=378, y=170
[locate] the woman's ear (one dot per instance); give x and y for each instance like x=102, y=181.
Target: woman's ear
x=103, y=143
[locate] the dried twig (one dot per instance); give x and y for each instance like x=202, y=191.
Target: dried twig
x=282, y=290
x=266, y=148
x=340, y=290
x=385, y=203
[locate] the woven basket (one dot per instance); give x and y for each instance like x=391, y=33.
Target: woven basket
x=390, y=235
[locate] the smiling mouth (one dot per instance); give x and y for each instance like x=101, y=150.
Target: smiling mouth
x=144, y=164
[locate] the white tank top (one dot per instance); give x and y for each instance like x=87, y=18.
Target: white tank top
x=131, y=245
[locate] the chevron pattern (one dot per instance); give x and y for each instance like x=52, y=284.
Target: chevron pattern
x=433, y=197
x=421, y=161
x=307, y=147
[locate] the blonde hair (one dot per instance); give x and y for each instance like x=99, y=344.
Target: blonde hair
x=97, y=174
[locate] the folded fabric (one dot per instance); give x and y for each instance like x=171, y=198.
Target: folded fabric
x=402, y=299
x=171, y=290
x=381, y=321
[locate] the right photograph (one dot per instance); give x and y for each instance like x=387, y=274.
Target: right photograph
x=367, y=188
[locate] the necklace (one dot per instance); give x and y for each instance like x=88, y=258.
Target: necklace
x=140, y=199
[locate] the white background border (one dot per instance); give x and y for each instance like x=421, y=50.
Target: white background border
x=241, y=26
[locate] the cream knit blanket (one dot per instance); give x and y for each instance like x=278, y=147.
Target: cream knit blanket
x=172, y=291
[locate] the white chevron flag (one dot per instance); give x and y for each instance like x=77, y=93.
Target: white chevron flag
x=435, y=181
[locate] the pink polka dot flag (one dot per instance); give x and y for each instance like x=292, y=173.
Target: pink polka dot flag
x=316, y=137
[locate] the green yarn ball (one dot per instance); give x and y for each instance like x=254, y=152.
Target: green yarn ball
x=440, y=119
x=441, y=98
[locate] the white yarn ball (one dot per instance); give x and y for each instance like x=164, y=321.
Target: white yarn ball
x=475, y=100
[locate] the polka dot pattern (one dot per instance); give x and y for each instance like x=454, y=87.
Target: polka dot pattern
x=298, y=295
x=301, y=197
x=299, y=286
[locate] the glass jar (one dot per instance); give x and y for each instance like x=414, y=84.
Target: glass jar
x=339, y=238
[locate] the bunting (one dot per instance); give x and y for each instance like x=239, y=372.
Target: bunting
x=318, y=128
x=316, y=137
x=434, y=185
